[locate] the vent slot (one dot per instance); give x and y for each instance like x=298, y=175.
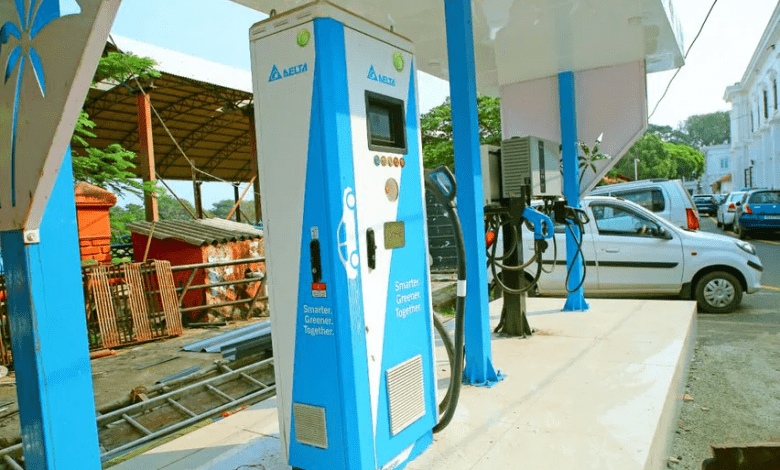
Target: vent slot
x=406, y=394
x=310, y=426
x=515, y=166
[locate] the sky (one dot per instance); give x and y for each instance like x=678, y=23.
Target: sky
x=217, y=30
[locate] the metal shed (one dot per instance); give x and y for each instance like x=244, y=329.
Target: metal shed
x=206, y=257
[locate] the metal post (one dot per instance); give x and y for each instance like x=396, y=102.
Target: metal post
x=48, y=325
x=236, y=199
x=146, y=152
x=571, y=187
x=250, y=113
x=468, y=172
x=197, y=195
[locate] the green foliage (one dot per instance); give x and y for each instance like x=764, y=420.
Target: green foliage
x=436, y=128
x=168, y=207
x=708, y=129
x=111, y=167
x=119, y=67
x=658, y=159
x=697, y=131
x=121, y=217
x=687, y=162
x=222, y=208
x=588, y=158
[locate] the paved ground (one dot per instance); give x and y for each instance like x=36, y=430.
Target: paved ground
x=734, y=381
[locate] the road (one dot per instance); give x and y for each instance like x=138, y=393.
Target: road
x=762, y=307
x=733, y=389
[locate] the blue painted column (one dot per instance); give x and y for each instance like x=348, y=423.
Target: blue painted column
x=468, y=172
x=571, y=187
x=49, y=338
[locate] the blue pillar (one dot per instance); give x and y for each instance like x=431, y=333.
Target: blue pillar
x=468, y=172
x=571, y=187
x=49, y=338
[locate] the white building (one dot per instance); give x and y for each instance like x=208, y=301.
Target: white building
x=717, y=169
x=755, y=120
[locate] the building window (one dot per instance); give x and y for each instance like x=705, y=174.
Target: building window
x=724, y=163
x=752, y=127
x=774, y=90
x=766, y=106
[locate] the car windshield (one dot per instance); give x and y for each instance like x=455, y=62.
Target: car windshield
x=735, y=197
x=765, y=197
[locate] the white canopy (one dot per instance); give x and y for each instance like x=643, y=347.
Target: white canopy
x=521, y=40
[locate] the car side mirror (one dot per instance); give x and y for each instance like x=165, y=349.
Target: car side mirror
x=664, y=234
x=738, y=203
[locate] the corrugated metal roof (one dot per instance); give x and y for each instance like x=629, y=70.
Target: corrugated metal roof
x=198, y=232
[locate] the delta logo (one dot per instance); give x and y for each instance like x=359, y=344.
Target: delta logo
x=372, y=75
x=288, y=72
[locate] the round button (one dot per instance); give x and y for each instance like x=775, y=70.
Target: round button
x=384, y=161
x=391, y=189
x=403, y=162
x=395, y=161
x=376, y=160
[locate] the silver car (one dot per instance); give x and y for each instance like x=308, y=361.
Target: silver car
x=727, y=210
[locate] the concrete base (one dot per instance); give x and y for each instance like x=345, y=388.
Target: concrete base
x=590, y=390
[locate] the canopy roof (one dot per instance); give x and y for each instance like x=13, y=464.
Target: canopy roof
x=520, y=40
x=201, y=103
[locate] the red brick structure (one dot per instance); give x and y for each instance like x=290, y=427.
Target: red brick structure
x=92, y=206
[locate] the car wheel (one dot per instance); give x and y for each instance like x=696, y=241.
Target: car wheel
x=728, y=226
x=718, y=292
x=742, y=233
x=718, y=224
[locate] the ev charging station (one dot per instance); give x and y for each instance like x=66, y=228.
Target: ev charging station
x=340, y=156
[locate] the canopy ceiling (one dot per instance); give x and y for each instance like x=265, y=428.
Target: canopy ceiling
x=202, y=105
x=521, y=40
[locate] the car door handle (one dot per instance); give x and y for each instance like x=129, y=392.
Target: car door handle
x=612, y=250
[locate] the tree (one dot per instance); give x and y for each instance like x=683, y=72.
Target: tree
x=436, y=129
x=687, y=162
x=658, y=159
x=654, y=160
x=168, y=206
x=222, y=208
x=110, y=167
x=708, y=129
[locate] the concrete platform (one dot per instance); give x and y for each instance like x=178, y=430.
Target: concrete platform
x=590, y=390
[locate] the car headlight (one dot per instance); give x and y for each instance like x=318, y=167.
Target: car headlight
x=746, y=247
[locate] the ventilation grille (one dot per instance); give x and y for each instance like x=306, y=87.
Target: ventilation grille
x=406, y=394
x=310, y=425
x=515, y=165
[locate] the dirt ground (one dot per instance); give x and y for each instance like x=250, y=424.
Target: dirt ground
x=733, y=389
x=114, y=377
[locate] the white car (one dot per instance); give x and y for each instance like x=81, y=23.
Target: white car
x=666, y=198
x=727, y=210
x=630, y=251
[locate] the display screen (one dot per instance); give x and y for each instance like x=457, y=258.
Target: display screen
x=379, y=123
x=386, y=123
x=395, y=235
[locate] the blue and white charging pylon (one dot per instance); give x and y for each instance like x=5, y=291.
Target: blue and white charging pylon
x=340, y=163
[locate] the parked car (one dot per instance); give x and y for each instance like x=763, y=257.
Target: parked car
x=629, y=250
x=706, y=204
x=726, y=210
x=666, y=198
x=759, y=209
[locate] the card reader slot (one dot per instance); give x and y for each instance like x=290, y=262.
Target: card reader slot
x=316, y=263
x=371, y=247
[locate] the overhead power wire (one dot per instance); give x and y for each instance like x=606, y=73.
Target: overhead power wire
x=668, y=85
